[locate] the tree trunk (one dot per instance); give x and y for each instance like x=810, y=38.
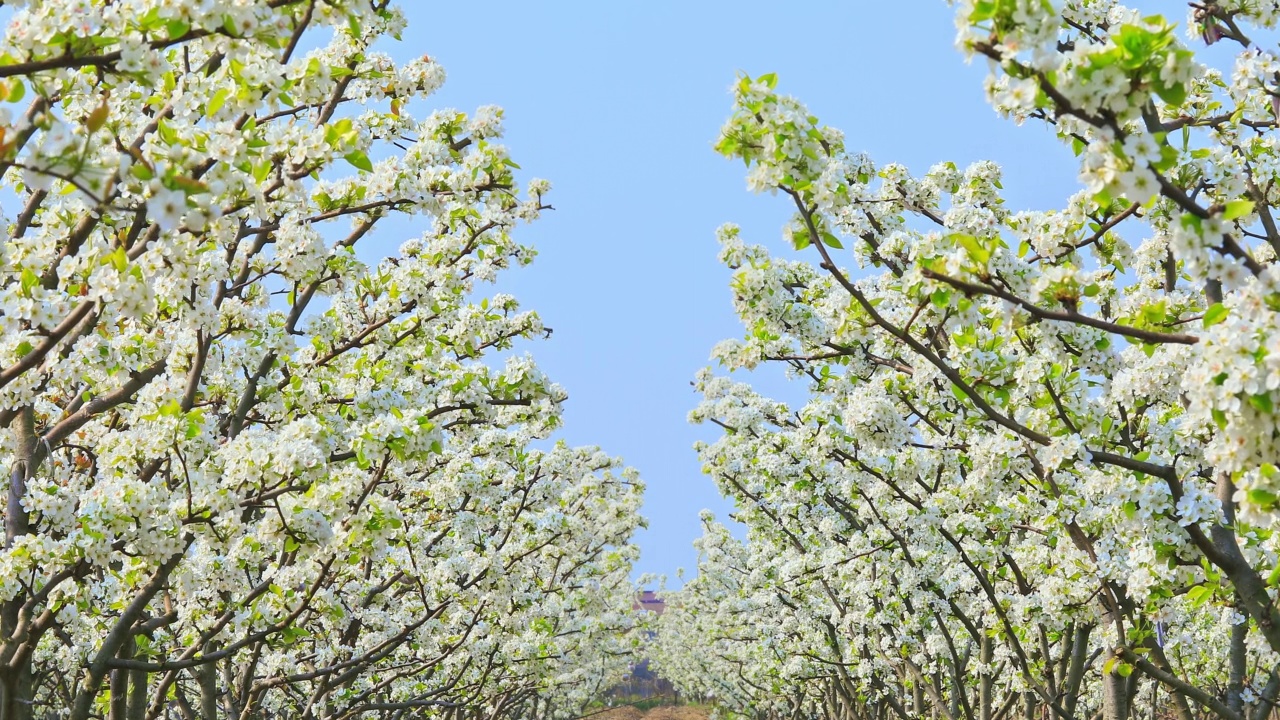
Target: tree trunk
x=1076, y=668
x=985, y=655
x=16, y=684
x=1115, y=687
x=1114, y=702
x=1131, y=693
x=1262, y=710
x=138, y=682
x=1181, y=709
x=16, y=519
x=207, y=678
x=1237, y=666
x=120, y=684
x=90, y=685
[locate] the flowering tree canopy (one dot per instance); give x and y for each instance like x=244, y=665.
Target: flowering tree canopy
x=1036, y=468
x=254, y=473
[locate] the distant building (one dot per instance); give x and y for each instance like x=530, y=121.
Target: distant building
x=640, y=683
x=649, y=600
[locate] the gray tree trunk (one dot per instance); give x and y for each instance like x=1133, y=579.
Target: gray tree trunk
x=16, y=684
x=207, y=678
x=120, y=684
x=1237, y=667
x=1115, y=687
x=985, y=655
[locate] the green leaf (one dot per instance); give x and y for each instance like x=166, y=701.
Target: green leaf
x=976, y=249
x=1259, y=496
x=1174, y=94
x=1216, y=313
x=119, y=259
x=1237, y=209
x=337, y=133
x=167, y=133
x=831, y=241
x=1199, y=595
x=1274, y=578
x=177, y=28
x=800, y=239
x=217, y=101
x=29, y=280
x=983, y=10
x=1262, y=402
x=359, y=159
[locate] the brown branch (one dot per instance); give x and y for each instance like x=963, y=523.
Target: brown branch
x=1040, y=313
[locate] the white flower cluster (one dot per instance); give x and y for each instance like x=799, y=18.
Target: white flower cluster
x=248, y=470
x=1034, y=465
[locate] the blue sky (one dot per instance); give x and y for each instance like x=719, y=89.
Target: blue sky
x=618, y=105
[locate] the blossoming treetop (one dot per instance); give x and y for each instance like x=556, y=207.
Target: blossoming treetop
x=1036, y=466
x=252, y=474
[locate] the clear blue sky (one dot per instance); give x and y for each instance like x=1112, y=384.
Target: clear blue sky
x=618, y=104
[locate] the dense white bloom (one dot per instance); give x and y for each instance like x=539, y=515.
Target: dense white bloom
x=255, y=467
x=1025, y=444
